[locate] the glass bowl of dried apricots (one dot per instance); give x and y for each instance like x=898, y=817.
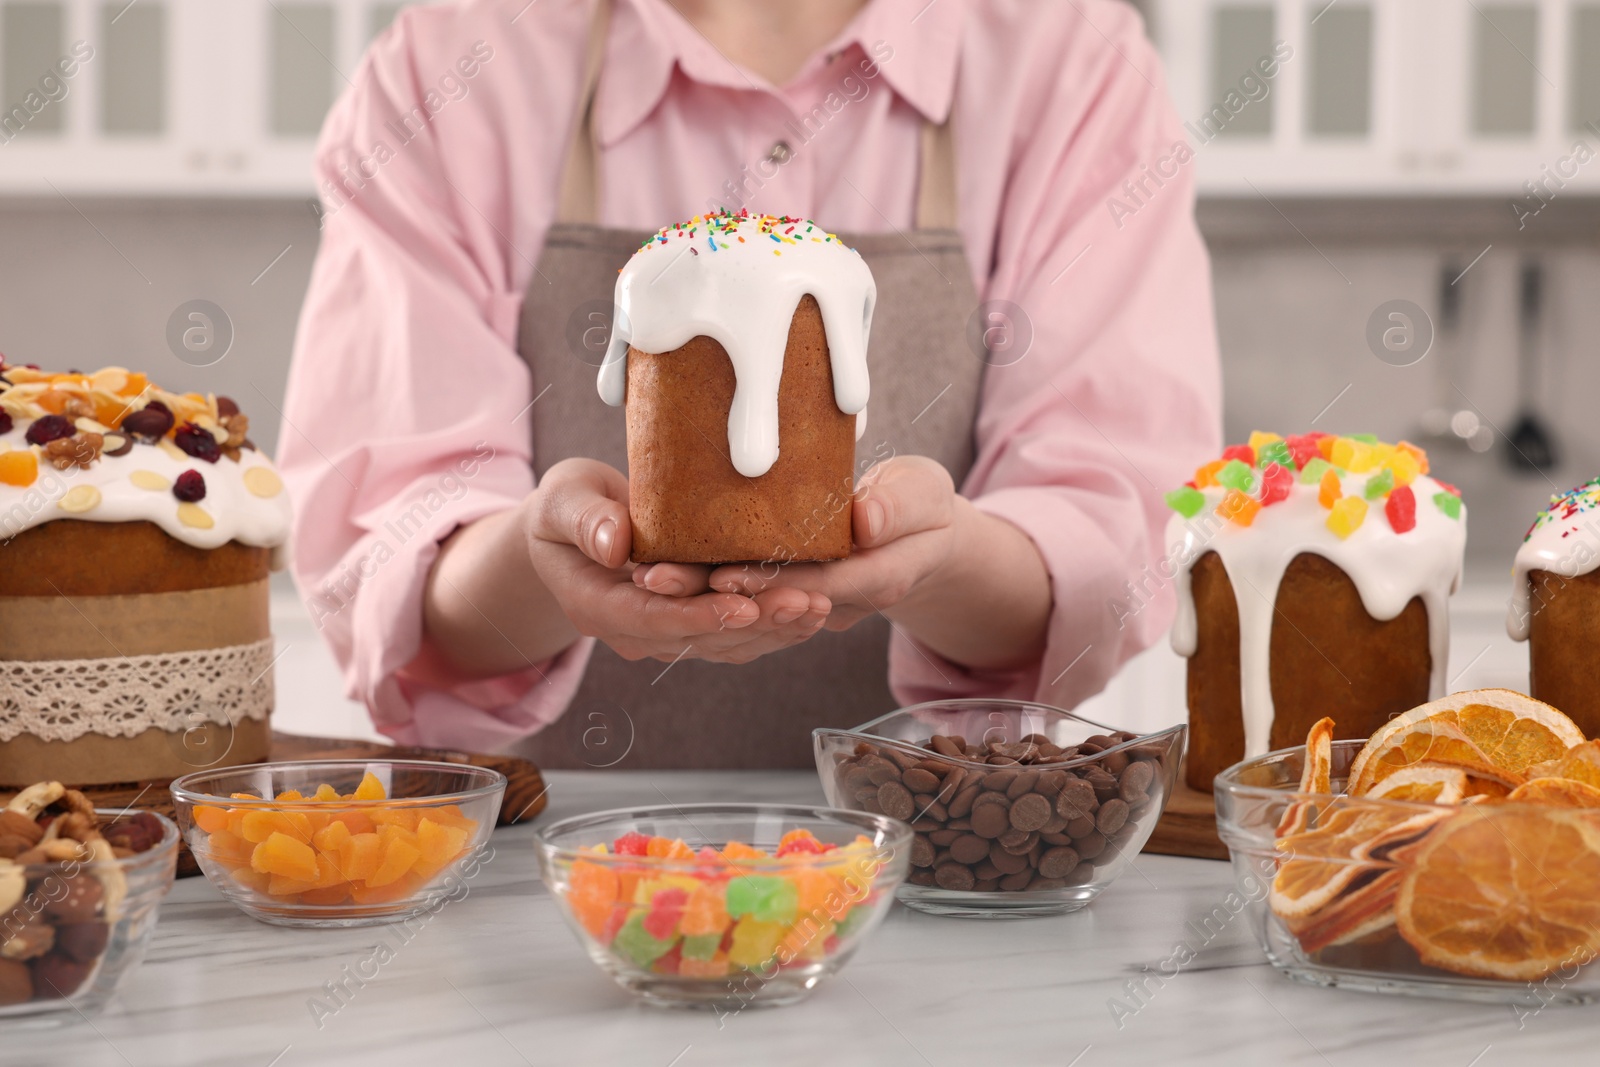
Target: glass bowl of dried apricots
x=1455, y=854
x=338, y=842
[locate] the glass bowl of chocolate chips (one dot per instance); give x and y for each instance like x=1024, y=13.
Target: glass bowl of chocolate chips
x=79, y=891
x=1019, y=809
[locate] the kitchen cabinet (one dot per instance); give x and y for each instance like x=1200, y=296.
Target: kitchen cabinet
x=1388, y=97
x=179, y=97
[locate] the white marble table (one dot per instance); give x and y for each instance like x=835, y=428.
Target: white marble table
x=496, y=978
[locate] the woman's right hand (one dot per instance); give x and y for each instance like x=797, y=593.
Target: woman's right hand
x=579, y=538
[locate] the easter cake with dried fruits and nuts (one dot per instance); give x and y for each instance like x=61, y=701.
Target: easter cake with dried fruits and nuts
x=138, y=528
x=1312, y=574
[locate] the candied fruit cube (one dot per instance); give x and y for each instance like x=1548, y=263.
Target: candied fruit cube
x=738, y=850
x=1329, y=491
x=1448, y=503
x=1276, y=482
x=1379, y=485
x=1239, y=508
x=1403, y=467
x=1303, y=447
x=1206, y=476
x=631, y=843
x=1401, y=509
x=284, y=855
x=1415, y=453
x=1186, y=501
x=592, y=915
x=704, y=914
x=1312, y=470
x=1263, y=437
x=370, y=788
x=716, y=967
x=1347, y=515
x=1325, y=446
x=1275, y=452
x=800, y=841
x=754, y=941
x=636, y=942
x=19, y=467
x=700, y=946
x=1240, y=453
x=1237, y=475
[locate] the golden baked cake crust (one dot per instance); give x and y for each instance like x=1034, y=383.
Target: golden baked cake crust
x=1564, y=646
x=72, y=557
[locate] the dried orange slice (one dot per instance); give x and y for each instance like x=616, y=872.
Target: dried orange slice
x=1563, y=792
x=1316, y=777
x=1505, y=891
x=1494, y=728
x=1318, y=865
x=1429, y=783
x=1580, y=763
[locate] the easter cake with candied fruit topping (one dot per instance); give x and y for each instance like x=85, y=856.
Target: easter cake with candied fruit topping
x=138, y=527
x=1313, y=574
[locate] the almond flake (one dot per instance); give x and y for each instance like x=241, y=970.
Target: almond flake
x=79, y=499
x=195, y=515
x=150, y=480
x=263, y=481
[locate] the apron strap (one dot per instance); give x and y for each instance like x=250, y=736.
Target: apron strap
x=580, y=174
x=580, y=177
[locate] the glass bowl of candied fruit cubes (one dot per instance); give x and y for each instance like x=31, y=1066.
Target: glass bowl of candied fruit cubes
x=339, y=842
x=723, y=906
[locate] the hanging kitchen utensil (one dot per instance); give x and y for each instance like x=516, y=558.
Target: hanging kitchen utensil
x=1530, y=446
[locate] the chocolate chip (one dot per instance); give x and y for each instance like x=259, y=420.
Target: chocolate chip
x=1016, y=883
x=1032, y=811
x=1076, y=799
x=961, y=804
x=930, y=807
x=897, y=803
x=1007, y=862
x=920, y=781
x=1024, y=784
x=991, y=820
x=1113, y=814
x=902, y=759
x=1090, y=845
x=945, y=746
x=921, y=876
x=986, y=885
x=954, y=876
x=879, y=770
x=921, y=852
x=1058, y=862
x=1000, y=781
x=944, y=837
x=1080, y=827
x=1017, y=842
x=1137, y=778
x=969, y=848
x=986, y=870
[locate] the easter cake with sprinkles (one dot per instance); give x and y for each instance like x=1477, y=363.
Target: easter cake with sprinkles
x=138, y=528
x=739, y=354
x=1313, y=573
x=1555, y=604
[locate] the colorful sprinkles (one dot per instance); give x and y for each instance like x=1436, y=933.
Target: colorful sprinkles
x=728, y=224
x=1566, y=506
x=1265, y=471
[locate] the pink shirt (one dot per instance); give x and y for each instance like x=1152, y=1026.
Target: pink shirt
x=439, y=171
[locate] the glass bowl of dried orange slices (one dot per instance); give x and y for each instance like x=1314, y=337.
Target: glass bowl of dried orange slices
x=1455, y=853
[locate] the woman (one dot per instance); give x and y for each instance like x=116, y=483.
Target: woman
x=462, y=520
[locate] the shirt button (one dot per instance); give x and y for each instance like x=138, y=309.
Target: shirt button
x=780, y=152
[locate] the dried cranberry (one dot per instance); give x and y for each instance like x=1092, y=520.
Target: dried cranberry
x=50, y=428
x=149, y=423
x=226, y=406
x=190, y=486
x=5, y=422
x=197, y=442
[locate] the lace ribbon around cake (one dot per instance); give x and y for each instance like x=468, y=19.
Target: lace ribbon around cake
x=123, y=696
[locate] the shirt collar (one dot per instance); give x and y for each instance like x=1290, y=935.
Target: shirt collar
x=648, y=40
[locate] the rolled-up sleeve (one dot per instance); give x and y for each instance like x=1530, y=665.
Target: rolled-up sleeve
x=406, y=416
x=1118, y=396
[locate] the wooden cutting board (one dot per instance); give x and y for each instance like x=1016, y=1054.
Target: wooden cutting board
x=1189, y=826
x=524, y=799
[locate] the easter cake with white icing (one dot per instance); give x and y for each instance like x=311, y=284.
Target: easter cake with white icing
x=138, y=528
x=739, y=353
x=1313, y=574
x=1555, y=604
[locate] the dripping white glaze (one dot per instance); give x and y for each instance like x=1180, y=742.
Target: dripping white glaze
x=701, y=279
x=237, y=514
x=1564, y=541
x=1387, y=568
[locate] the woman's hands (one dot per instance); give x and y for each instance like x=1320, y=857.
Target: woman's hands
x=969, y=585
x=516, y=588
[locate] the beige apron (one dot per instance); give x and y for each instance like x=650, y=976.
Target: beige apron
x=925, y=384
